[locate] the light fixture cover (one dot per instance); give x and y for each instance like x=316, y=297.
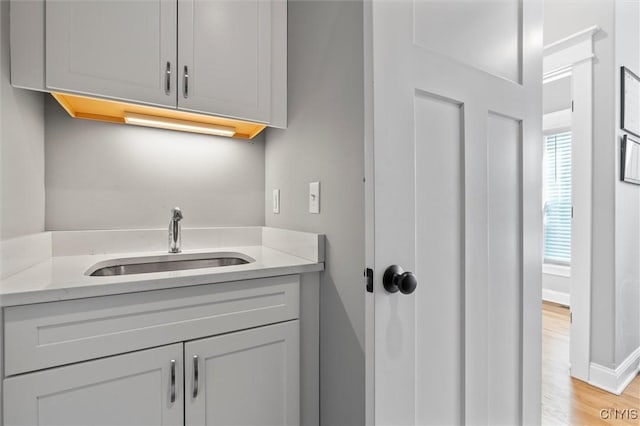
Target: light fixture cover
x=176, y=124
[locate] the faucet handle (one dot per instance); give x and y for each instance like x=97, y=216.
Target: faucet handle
x=176, y=213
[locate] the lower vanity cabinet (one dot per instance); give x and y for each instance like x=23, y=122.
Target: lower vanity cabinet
x=248, y=377
x=139, y=388
x=214, y=354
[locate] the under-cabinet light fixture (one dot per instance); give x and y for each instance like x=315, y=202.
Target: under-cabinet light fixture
x=175, y=124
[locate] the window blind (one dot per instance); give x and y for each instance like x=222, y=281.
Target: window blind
x=557, y=198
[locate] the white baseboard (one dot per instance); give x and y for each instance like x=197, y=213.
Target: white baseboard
x=556, y=297
x=615, y=381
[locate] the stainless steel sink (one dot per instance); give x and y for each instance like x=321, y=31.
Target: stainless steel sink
x=173, y=262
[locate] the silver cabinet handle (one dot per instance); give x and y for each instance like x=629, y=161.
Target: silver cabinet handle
x=195, y=376
x=186, y=82
x=173, y=380
x=167, y=77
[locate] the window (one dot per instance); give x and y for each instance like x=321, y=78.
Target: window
x=557, y=198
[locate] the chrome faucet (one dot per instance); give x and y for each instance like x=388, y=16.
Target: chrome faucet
x=175, y=231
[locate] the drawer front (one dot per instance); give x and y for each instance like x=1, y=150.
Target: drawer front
x=50, y=334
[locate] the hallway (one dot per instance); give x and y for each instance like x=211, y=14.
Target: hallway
x=566, y=401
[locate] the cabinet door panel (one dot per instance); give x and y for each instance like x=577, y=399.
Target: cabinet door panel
x=130, y=389
x=113, y=49
x=226, y=47
x=246, y=378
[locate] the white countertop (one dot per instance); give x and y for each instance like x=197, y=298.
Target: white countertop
x=63, y=277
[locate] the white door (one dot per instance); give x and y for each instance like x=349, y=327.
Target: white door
x=225, y=57
x=456, y=142
x=140, y=388
x=245, y=378
x=124, y=50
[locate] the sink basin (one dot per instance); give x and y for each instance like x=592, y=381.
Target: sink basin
x=164, y=263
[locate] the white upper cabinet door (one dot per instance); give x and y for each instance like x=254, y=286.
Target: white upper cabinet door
x=113, y=49
x=229, y=50
x=140, y=388
x=246, y=378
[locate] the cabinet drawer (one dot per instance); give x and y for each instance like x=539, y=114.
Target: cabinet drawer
x=49, y=334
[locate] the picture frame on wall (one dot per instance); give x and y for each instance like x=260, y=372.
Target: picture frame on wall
x=630, y=106
x=630, y=161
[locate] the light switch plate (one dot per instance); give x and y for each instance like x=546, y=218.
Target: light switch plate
x=314, y=197
x=276, y=201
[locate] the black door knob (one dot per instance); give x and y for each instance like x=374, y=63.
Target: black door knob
x=395, y=279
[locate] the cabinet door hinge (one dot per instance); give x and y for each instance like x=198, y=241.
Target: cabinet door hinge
x=368, y=279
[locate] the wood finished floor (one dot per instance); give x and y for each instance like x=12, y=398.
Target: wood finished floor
x=567, y=401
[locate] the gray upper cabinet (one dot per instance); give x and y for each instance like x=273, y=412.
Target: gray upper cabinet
x=231, y=71
x=122, y=50
x=218, y=57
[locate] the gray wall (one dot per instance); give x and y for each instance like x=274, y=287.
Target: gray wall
x=21, y=149
x=103, y=176
x=325, y=141
x=627, y=267
x=113, y=176
x=563, y=18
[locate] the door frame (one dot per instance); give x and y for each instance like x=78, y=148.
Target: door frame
x=369, y=204
x=574, y=55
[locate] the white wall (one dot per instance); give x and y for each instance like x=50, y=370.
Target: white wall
x=325, y=141
x=112, y=176
x=22, y=195
x=556, y=95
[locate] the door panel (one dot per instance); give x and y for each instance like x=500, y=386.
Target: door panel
x=490, y=40
x=457, y=159
x=131, y=389
x=245, y=378
x=230, y=73
x=113, y=49
x=439, y=218
x=505, y=267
